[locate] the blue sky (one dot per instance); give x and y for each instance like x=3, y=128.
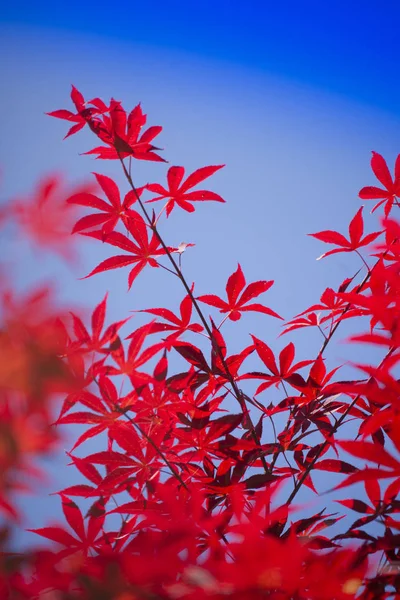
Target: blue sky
x=292, y=98
x=345, y=47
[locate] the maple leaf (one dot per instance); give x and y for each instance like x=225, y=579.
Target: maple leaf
x=139, y=460
x=141, y=254
x=96, y=341
x=316, y=385
x=84, y=114
x=204, y=439
x=356, y=241
x=89, y=472
x=25, y=434
x=380, y=304
x=391, y=188
x=287, y=371
x=107, y=410
x=135, y=357
x=178, y=191
x=85, y=540
x=387, y=465
x=193, y=355
x=235, y=287
x=123, y=137
x=223, y=368
x=111, y=213
x=176, y=324
x=86, y=342
x=337, y=307
x=31, y=346
x=45, y=216
x=390, y=248
x=374, y=494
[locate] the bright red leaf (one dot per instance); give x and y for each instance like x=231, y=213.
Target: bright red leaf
x=238, y=297
x=141, y=254
x=178, y=191
x=391, y=187
x=110, y=213
x=356, y=241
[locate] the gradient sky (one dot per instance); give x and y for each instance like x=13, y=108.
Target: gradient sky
x=292, y=98
x=346, y=47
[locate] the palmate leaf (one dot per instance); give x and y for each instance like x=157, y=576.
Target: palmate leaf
x=391, y=188
x=121, y=133
x=85, y=540
x=387, y=466
x=46, y=217
x=178, y=325
x=85, y=114
x=237, y=303
x=111, y=212
x=356, y=241
x=177, y=192
x=141, y=254
x=287, y=371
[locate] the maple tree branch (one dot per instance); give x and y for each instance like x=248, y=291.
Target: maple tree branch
x=327, y=441
x=328, y=339
x=237, y=393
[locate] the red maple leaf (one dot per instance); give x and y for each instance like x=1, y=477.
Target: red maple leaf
x=107, y=410
x=96, y=341
x=287, y=371
x=201, y=442
x=135, y=357
x=223, y=368
x=111, y=213
x=86, y=540
x=178, y=325
x=45, y=216
x=316, y=386
x=123, y=137
x=85, y=115
x=236, y=305
x=391, y=188
x=141, y=254
x=177, y=192
x=338, y=309
x=387, y=466
x=356, y=230
x=141, y=461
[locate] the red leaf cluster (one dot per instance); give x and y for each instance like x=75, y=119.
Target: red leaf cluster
x=200, y=483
